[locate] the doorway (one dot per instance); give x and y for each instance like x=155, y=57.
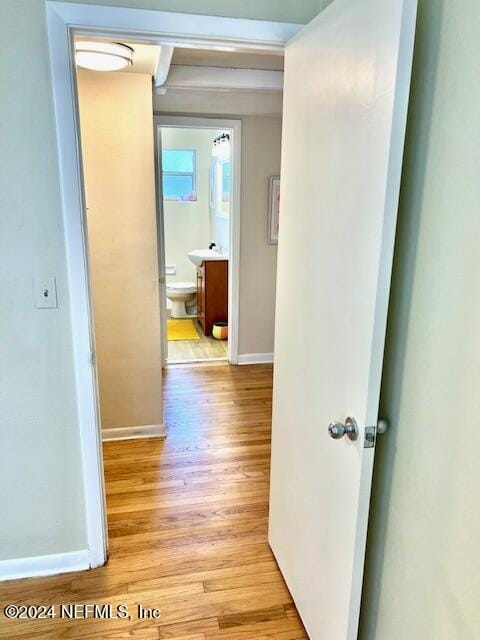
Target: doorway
x=235, y=427
x=198, y=222
x=77, y=231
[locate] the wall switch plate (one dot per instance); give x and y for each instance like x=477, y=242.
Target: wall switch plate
x=45, y=293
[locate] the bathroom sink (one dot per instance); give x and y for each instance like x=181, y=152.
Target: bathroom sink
x=201, y=255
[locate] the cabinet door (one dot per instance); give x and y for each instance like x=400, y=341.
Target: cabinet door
x=201, y=298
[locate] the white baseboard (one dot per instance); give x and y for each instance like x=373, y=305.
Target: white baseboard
x=133, y=433
x=47, y=565
x=255, y=358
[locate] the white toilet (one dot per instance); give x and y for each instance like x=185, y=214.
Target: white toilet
x=183, y=296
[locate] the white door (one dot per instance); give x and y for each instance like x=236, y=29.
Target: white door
x=347, y=77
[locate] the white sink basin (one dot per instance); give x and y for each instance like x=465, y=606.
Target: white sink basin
x=201, y=255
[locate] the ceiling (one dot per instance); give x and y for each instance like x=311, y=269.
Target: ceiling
x=230, y=59
x=202, y=69
x=145, y=58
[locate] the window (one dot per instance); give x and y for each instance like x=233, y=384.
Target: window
x=178, y=173
x=226, y=181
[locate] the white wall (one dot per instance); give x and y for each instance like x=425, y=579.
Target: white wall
x=220, y=232
x=281, y=10
x=187, y=224
x=40, y=468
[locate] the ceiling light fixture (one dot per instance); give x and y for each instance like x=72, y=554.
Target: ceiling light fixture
x=103, y=56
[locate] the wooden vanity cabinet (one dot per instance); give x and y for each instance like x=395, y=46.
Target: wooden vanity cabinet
x=212, y=294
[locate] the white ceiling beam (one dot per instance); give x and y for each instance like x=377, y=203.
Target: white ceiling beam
x=223, y=79
x=163, y=67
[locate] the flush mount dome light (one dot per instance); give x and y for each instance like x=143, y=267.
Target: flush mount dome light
x=103, y=56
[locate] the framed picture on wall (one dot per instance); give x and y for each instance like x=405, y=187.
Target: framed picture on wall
x=273, y=209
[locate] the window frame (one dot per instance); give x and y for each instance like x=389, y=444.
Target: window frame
x=192, y=173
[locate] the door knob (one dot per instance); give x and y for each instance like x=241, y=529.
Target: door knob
x=337, y=430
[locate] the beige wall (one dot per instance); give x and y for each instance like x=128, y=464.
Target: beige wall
x=237, y=103
x=187, y=224
x=423, y=563
x=261, y=141
x=118, y=160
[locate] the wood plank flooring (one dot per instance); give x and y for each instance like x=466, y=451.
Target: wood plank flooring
x=187, y=522
x=206, y=347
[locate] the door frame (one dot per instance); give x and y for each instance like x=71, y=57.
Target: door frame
x=64, y=20
x=188, y=122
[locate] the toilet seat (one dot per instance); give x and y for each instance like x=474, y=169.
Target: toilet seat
x=182, y=287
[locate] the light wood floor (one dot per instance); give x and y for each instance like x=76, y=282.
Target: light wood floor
x=203, y=349
x=187, y=522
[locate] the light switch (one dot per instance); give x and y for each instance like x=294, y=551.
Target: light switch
x=45, y=293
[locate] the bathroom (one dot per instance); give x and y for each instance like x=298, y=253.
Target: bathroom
x=196, y=210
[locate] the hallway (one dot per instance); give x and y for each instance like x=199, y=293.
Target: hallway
x=187, y=522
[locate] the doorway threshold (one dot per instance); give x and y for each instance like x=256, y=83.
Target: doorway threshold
x=197, y=361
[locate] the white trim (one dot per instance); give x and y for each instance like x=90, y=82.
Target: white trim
x=255, y=358
x=159, y=27
x=73, y=206
x=235, y=126
x=134, y=433
x=217, y=359
x=163, y=66
x=160, y=228
x=47, y=565
x=223, y=79
x=177, y=29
